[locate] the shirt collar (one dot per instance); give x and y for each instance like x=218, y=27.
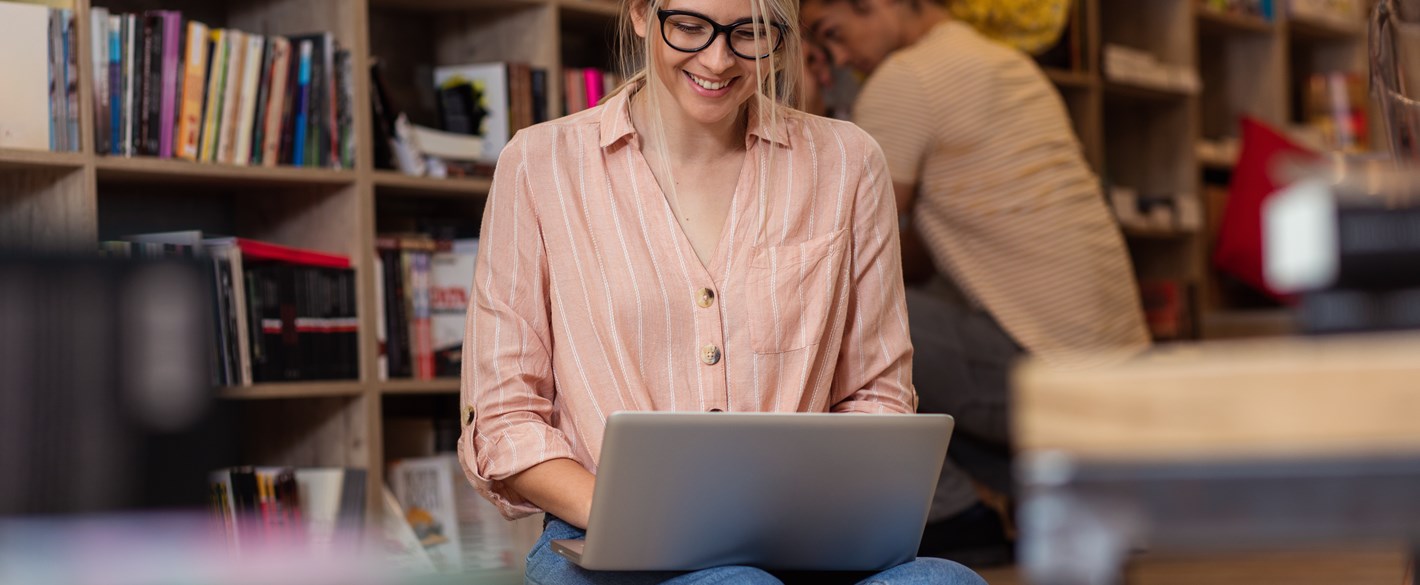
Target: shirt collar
x=616, y=122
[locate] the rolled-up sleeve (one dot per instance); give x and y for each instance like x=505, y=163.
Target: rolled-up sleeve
x=874, y=373
x=507, y=388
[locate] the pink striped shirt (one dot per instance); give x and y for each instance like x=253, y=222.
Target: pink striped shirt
x=589, y=299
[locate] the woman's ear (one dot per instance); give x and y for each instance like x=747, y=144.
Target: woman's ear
x=640, y=15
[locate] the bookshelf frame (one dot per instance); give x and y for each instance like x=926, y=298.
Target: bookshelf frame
x=1248, y=66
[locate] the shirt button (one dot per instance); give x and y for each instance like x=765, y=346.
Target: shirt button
x=716, y=410
x=710, y=355
x=705, y=297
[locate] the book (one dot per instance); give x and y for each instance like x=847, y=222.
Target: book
x=189, y=130
x=277, y=102
x=71, y=80
x=345, y=104
x=490, y=84
x=246, y=109
x=99, y=53
x=302, y=106
x=172, y=79
x=24, y=51
x=594, y=81
x=232, y=98
x=150, y=84
x=256, y=144
x=450, y=283
x=132, y=40
x=458, y=529
x=114, y=67
x=216, y=89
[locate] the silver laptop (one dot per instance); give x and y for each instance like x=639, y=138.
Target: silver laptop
x=822, y=492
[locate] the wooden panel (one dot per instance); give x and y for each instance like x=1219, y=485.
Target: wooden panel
x=521, y=34
x=47, y=209
x=314, y=218
x=292, y=390
x=306, y=433
x=440, y=386
x=1285, y=397
x=1162, y=27
x=1242, y=75
x=294, y=17
x=390, y=183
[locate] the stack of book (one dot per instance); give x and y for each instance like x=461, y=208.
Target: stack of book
x=173, y=89
x=39, y=107
x=422, y=301
x=279, y=314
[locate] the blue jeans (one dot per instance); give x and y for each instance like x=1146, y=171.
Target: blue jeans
x=546, y=567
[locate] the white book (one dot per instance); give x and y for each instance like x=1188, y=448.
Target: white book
x=231, y=101
x=459, y=529
x=130, y=66
x=450, y=282
x=251, y=76
x=491, y=81
x=24, y=67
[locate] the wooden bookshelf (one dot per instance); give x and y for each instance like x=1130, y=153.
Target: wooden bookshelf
x=437, y=386
x=1067, y=80
x=21, y=159
x=396, y=184
x=294, y=390
x=156, y=170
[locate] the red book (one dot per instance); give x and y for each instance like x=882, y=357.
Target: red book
x=256, y=250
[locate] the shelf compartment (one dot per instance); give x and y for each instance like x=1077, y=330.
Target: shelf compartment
x=397, y=184
x=1066, y=79
x=156, y=170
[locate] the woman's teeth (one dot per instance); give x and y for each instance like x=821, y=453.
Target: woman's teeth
x=712, y=86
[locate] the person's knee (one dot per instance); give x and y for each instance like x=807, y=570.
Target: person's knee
x=927, y=570
x=726, y=575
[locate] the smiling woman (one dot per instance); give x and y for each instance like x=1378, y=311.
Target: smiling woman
x=692, y=243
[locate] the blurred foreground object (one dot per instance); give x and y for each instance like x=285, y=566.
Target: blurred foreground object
x=105, y=403
x=1219, y=447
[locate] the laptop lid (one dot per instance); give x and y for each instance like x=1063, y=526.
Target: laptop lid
x=685, y=491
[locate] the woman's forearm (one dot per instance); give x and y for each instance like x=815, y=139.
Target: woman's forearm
x=561, y=487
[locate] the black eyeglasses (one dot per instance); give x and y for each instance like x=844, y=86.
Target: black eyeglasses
x=689, y=32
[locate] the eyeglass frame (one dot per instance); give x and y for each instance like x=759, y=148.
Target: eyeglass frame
x=716, y=29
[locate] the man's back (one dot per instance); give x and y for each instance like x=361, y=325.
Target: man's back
x=1006, y=202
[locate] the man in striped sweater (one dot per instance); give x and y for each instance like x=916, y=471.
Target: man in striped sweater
x=1021, y=254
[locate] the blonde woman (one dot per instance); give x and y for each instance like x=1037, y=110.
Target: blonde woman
x=692, y=244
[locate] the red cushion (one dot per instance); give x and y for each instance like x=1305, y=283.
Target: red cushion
x=1239, y=246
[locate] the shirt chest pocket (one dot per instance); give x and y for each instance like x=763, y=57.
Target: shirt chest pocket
x=792, y=289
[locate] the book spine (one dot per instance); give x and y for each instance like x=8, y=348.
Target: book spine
x=592, y=78
x=345, y=122
x=71, y=80
x=539, y=95
x=258, y=121
x=98, y=46
x=396, y=315
x=303, y=84
x=150, y=84
x=216, y=89
x=231, y=102
x=114, y=68
x=330, y=119
x=133, y=39
x=423, y=334
x=194, y=79
x=251, y=74
x=277, y=102
x=167, y=108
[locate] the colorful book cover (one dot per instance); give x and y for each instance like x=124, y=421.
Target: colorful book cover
x=171, y=80
x=303, y=85
x=194, y=79
x=450, y=281
x=114, y=67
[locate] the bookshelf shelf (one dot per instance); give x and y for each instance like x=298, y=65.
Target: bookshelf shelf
x=1321, y=30
x=289, y=390
x=154, y=170
x=439, y=386
x=604, y=9
x=16, y=158
x=1223, y=23
x=1067, y=80
x=396, y=184
x=1117, y=89
x=1155, y=234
